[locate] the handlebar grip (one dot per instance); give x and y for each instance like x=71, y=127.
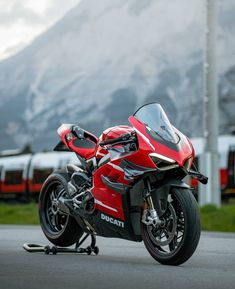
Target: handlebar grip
x=123, y=137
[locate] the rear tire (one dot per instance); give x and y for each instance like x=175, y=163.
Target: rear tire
x=60, y=229
x=182, y=230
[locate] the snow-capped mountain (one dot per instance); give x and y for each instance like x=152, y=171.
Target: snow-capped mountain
x=105, y=58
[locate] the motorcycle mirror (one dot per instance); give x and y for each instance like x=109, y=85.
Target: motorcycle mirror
x=203, y=180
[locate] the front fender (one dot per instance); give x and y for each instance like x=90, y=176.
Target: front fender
x=160, y=194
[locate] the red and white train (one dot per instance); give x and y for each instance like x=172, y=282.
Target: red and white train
x=23, y=175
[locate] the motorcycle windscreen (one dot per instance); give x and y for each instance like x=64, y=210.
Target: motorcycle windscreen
x=156, y=122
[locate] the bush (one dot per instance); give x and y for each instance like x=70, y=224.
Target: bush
x=208, y=209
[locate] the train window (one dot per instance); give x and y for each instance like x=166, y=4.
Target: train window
x=40, y=175
x=14, y=177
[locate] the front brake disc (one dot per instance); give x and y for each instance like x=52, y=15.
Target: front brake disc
x=164, y=235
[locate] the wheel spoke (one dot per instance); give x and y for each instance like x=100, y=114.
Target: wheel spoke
x=173, y=245
x=52, y=219
x=52, y=195
x=59, y=191
x=180, y=236
x=49, y=211
x=62, y=214
x=57, y=224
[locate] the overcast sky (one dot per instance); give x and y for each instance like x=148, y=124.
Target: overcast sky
x=22, y=20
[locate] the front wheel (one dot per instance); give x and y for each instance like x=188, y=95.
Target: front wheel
x=175, y=240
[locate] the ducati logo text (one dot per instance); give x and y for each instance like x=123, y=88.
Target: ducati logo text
x=112, y=221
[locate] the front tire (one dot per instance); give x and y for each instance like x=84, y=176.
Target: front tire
x=174, y=242
x=59, y=228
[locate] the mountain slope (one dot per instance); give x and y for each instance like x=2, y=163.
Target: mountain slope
x=103, y=59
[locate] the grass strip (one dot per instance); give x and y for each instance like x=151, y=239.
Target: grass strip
x=25, y=214
x=218, y=219
x=213, y=218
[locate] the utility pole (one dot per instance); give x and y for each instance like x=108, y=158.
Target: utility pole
x=210, y=160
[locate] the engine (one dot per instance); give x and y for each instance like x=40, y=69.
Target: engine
x=79, y=190
x=79, y=181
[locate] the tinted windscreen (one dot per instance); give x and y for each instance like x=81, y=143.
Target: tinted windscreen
x=156, y=122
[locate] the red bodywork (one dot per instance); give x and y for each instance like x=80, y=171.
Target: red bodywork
x=107, y=200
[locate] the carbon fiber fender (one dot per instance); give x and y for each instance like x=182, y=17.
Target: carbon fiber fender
x=160, y=194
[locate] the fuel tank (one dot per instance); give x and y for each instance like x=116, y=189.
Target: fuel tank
x=110, y=133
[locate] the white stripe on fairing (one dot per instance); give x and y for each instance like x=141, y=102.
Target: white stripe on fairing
x=105, y=206
x=116, y=167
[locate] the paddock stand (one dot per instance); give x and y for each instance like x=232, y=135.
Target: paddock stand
x=33, y=248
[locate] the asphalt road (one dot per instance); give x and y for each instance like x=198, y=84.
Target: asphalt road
x=120, y=264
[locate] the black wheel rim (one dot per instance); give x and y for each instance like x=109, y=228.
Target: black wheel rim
x=55, y=220
x=168, y=237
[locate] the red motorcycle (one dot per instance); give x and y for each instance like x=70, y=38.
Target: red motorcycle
x=128, y=184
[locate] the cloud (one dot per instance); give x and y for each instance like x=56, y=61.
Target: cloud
x=22, y=20
x=31, y=11
x=15, y=11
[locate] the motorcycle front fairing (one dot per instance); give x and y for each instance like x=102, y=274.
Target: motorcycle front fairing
x=158, y=137
x=168, y=144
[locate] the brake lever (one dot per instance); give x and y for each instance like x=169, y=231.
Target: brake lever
x=129, y=141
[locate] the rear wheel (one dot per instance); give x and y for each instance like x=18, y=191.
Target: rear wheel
x=174, y=242
x=60, y=229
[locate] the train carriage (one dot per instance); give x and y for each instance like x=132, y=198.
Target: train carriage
x=43, y=164
x=23, y=175
x=14, y=174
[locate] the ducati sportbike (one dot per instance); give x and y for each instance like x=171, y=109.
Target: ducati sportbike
x=128, y=184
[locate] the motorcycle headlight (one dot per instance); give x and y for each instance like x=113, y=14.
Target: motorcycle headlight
x=162, y=162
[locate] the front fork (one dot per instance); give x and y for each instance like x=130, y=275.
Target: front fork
x=150, y=216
